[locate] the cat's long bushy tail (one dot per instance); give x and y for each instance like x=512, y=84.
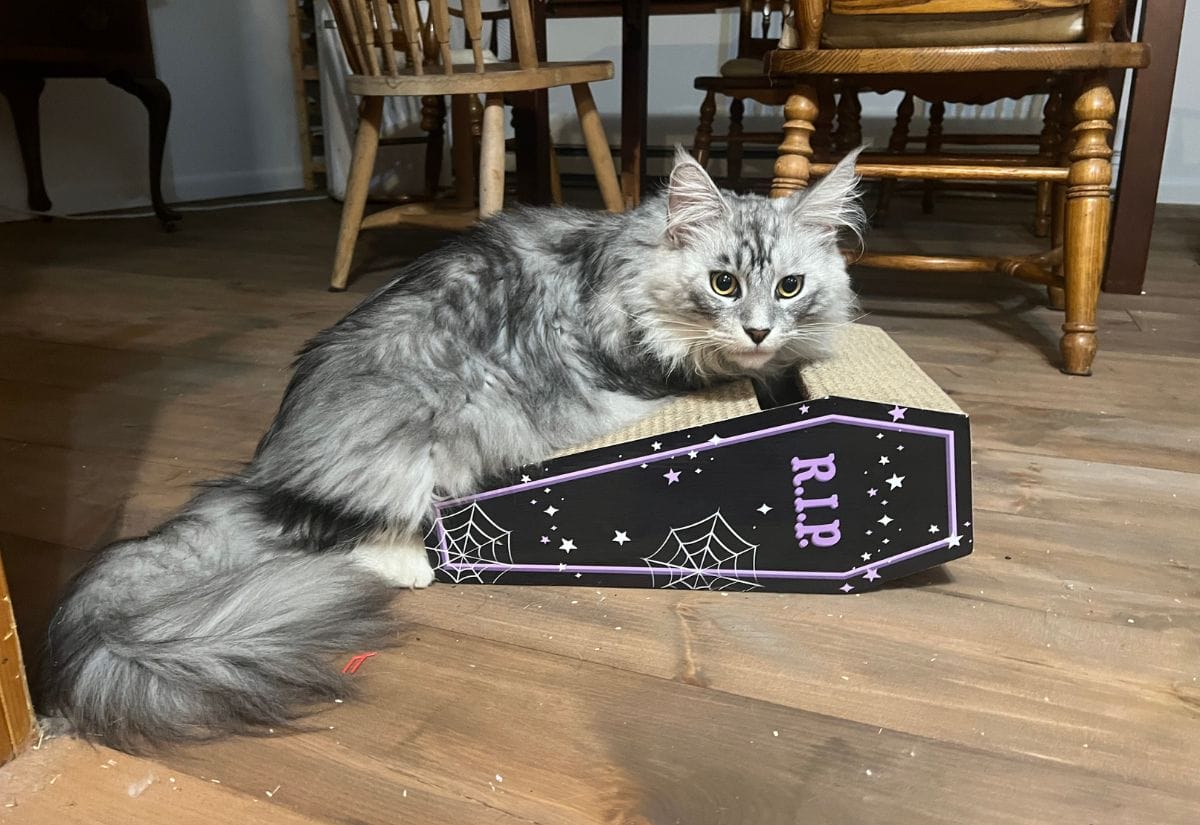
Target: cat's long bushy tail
x=190, y=633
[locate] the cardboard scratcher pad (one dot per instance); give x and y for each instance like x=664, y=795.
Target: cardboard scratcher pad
x=864, y=481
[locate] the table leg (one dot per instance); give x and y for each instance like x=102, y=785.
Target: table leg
x=531, y=124
x=635, y=57
x=1142, y=148
x=23, y=92
x=153, y=94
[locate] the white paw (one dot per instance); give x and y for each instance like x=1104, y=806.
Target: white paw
x=400, y=565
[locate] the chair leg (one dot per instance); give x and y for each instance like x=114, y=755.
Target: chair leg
x=822, y=139
x=1055, y=295
x=491, y=157
x=848, y=134
x=462, y=149
x=933, y=145
x=734, y=143
x=795, y=151
x=362, y=163
x=1088, y=205
x=898, y=144
x=708, y=111
x=598, y=150
x=1047, y=148
x=556, y=193
x=433, y=122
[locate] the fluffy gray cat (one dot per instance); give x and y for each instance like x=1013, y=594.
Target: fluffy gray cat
x=537, y=330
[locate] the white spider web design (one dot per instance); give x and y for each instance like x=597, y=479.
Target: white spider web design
x=705, y=555
x=473, y=539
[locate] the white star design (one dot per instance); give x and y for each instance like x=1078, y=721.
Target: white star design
x=879, y=435
x=883, y=459
x=671, y=476
x=621, y=537
x=870, y=532
x=551, y=510
x=954, y=541
x=872, y=575
x=579, y=575
x=568, y=545
x=846, y=588
x=698, y=470
x=692, y=454
x=766, y=508
x=533, y=501
x=656, y=446
x=562, y=566
x=716, y=439
x=887, y=541
x=933, y=528
x=872, y=492
x=866, y=556
x=899, y=446
x=545, y=539
x=804, y=409
x=644, y=466
x=897, y=412
x=545, y=489
x=896, y=481
x=526, y=479
x=884, y=502
x=886, y=520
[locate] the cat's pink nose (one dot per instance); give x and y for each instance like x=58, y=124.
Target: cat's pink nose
x=757, y=335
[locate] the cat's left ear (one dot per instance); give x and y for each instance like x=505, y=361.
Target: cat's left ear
x=693, y=200
x=831, y=202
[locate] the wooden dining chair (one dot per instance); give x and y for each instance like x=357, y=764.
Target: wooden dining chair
x=387, y=57
x=977, y=46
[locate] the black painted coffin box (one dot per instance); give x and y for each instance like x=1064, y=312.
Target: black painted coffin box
x=829, y=494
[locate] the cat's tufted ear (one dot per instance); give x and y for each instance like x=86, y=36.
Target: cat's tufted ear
x=833, y=201
x=693, y=200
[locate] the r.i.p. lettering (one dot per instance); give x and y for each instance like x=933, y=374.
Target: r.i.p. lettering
x=826, y=533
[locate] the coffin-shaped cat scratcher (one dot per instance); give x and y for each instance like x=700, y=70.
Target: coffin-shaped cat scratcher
x=862, y=479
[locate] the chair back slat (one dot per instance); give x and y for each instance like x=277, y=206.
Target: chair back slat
x=385, y=36
x=375, y=32
x=366, y=35
x=347, y=29
x=473, y=23
x=439, y=13
x=754, y=41
x=410, y=21
x=522, y=28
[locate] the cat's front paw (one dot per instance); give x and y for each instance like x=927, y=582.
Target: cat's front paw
x=400, y=565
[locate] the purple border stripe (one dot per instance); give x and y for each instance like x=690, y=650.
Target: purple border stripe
x=704, y=446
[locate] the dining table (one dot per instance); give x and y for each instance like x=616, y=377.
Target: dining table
x=531, y=111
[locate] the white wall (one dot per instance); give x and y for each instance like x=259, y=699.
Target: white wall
x=1180, y=182
x=233, y=128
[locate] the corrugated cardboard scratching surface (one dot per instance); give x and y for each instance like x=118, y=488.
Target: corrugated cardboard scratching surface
x=868, y=365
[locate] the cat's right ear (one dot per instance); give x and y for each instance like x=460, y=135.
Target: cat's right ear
x=693, y=201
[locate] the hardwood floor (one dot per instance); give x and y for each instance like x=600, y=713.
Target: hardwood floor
x=1052, y=676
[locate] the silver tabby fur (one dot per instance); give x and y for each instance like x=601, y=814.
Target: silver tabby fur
x=539, y=329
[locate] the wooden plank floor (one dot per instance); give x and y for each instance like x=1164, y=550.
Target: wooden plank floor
x=1053, y=676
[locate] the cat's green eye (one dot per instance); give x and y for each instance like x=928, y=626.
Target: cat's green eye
x=723, y=283
x=790, y=286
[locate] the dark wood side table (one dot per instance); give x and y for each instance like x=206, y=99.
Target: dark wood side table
x=107, y=39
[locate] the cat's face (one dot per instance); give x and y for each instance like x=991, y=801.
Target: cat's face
x=753, y=284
